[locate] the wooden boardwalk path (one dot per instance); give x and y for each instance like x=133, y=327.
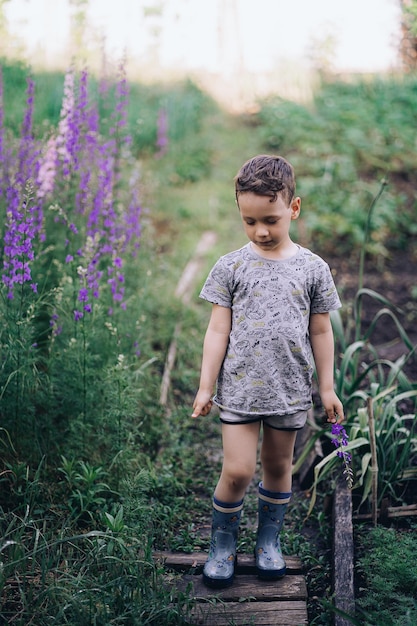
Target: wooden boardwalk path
x=249, y=601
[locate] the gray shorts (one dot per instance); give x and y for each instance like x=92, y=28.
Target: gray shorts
x=295, y=421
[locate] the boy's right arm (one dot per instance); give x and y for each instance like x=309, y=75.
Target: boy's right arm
x=214, y=350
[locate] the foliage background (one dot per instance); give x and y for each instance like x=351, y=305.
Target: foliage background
x=95, y=472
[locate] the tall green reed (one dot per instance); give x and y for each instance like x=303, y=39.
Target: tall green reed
x=362, y=375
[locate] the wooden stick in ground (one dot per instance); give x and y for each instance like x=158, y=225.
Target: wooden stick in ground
x=183, y=291
x=343, y=554
x=374, y=460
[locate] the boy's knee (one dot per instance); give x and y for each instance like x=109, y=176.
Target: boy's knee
x=276, y=466
x=239, y=477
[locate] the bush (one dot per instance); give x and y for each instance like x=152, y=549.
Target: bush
x=352, y=134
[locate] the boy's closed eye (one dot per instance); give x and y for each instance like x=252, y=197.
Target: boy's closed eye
x=271, y=220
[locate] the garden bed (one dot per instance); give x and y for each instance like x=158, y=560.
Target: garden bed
x=395, y=280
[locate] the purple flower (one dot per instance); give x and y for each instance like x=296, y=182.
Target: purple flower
x=82, y=169
x=83, y=294
x=47, y=169
x=66, y=139
x=20, y=230
x=56, y=328
x=340, y=435
x=119, y=116
x=340, y=439
x=28, y=164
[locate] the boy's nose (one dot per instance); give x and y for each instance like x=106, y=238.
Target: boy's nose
x=262, y=230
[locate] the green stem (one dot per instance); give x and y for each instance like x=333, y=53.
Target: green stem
x=18, y=322
x=84, y=375
x=368, y=228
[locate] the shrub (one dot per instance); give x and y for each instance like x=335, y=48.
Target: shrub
x=353, y=133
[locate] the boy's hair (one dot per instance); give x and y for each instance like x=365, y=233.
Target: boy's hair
x=266, y=175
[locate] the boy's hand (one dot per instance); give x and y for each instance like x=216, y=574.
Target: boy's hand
x=202, y=404
x=333, y=407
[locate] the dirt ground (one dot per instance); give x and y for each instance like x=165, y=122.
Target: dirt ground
x=396, y=281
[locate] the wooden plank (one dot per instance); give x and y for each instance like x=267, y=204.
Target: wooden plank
x=195, y=560
x=343, y=578
x=248, y=586
x=250, y=614
x=248, y=601
x=392, y=511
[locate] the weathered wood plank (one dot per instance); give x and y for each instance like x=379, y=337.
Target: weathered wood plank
x=248, y=602
x=195, y=560
x=250, y=587
x=250, y=613
x=343, y=578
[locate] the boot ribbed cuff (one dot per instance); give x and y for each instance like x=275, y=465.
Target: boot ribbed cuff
x=274, y=497
x=227, y=507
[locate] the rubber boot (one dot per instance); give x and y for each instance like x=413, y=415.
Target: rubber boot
x=219, y=568
x=272, y=505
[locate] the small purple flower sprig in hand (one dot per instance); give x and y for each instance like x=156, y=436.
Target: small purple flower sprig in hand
x=340, y=439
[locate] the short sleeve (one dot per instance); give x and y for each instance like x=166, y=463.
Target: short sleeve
x=217, y=288
x=324, y=293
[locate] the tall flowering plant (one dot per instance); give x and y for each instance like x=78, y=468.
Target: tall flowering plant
x=101, y=225
x=72, y=217
x=23, y=219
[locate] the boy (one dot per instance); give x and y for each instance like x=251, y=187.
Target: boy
x=270, y=314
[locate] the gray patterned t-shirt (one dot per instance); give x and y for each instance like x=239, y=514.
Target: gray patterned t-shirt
x=268, y=365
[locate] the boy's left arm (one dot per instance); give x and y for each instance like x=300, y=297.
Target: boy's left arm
x=322, y=343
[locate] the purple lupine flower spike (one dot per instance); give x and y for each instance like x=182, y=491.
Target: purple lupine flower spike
x=340, y=439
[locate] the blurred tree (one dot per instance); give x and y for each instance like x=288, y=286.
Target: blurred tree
x=322, y=52
x=4, y=34
x=153, y=13
x=408, y=44
x=79, y=28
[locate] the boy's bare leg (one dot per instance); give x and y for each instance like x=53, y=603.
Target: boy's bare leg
x=277, y=453
x=274, y=495
x=240, y=445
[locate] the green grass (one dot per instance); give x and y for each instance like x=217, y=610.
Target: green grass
x=388, y=583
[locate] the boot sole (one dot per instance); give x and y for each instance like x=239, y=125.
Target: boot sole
x=265, y=574
x=217, y=583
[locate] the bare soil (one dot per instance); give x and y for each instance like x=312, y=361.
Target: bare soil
x=395, y=280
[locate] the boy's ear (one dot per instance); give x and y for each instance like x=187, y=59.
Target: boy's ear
x=295, y=207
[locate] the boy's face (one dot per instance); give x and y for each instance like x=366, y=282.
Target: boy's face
x=266, y=223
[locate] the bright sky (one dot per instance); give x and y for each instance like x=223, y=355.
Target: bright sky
x=221, y=35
